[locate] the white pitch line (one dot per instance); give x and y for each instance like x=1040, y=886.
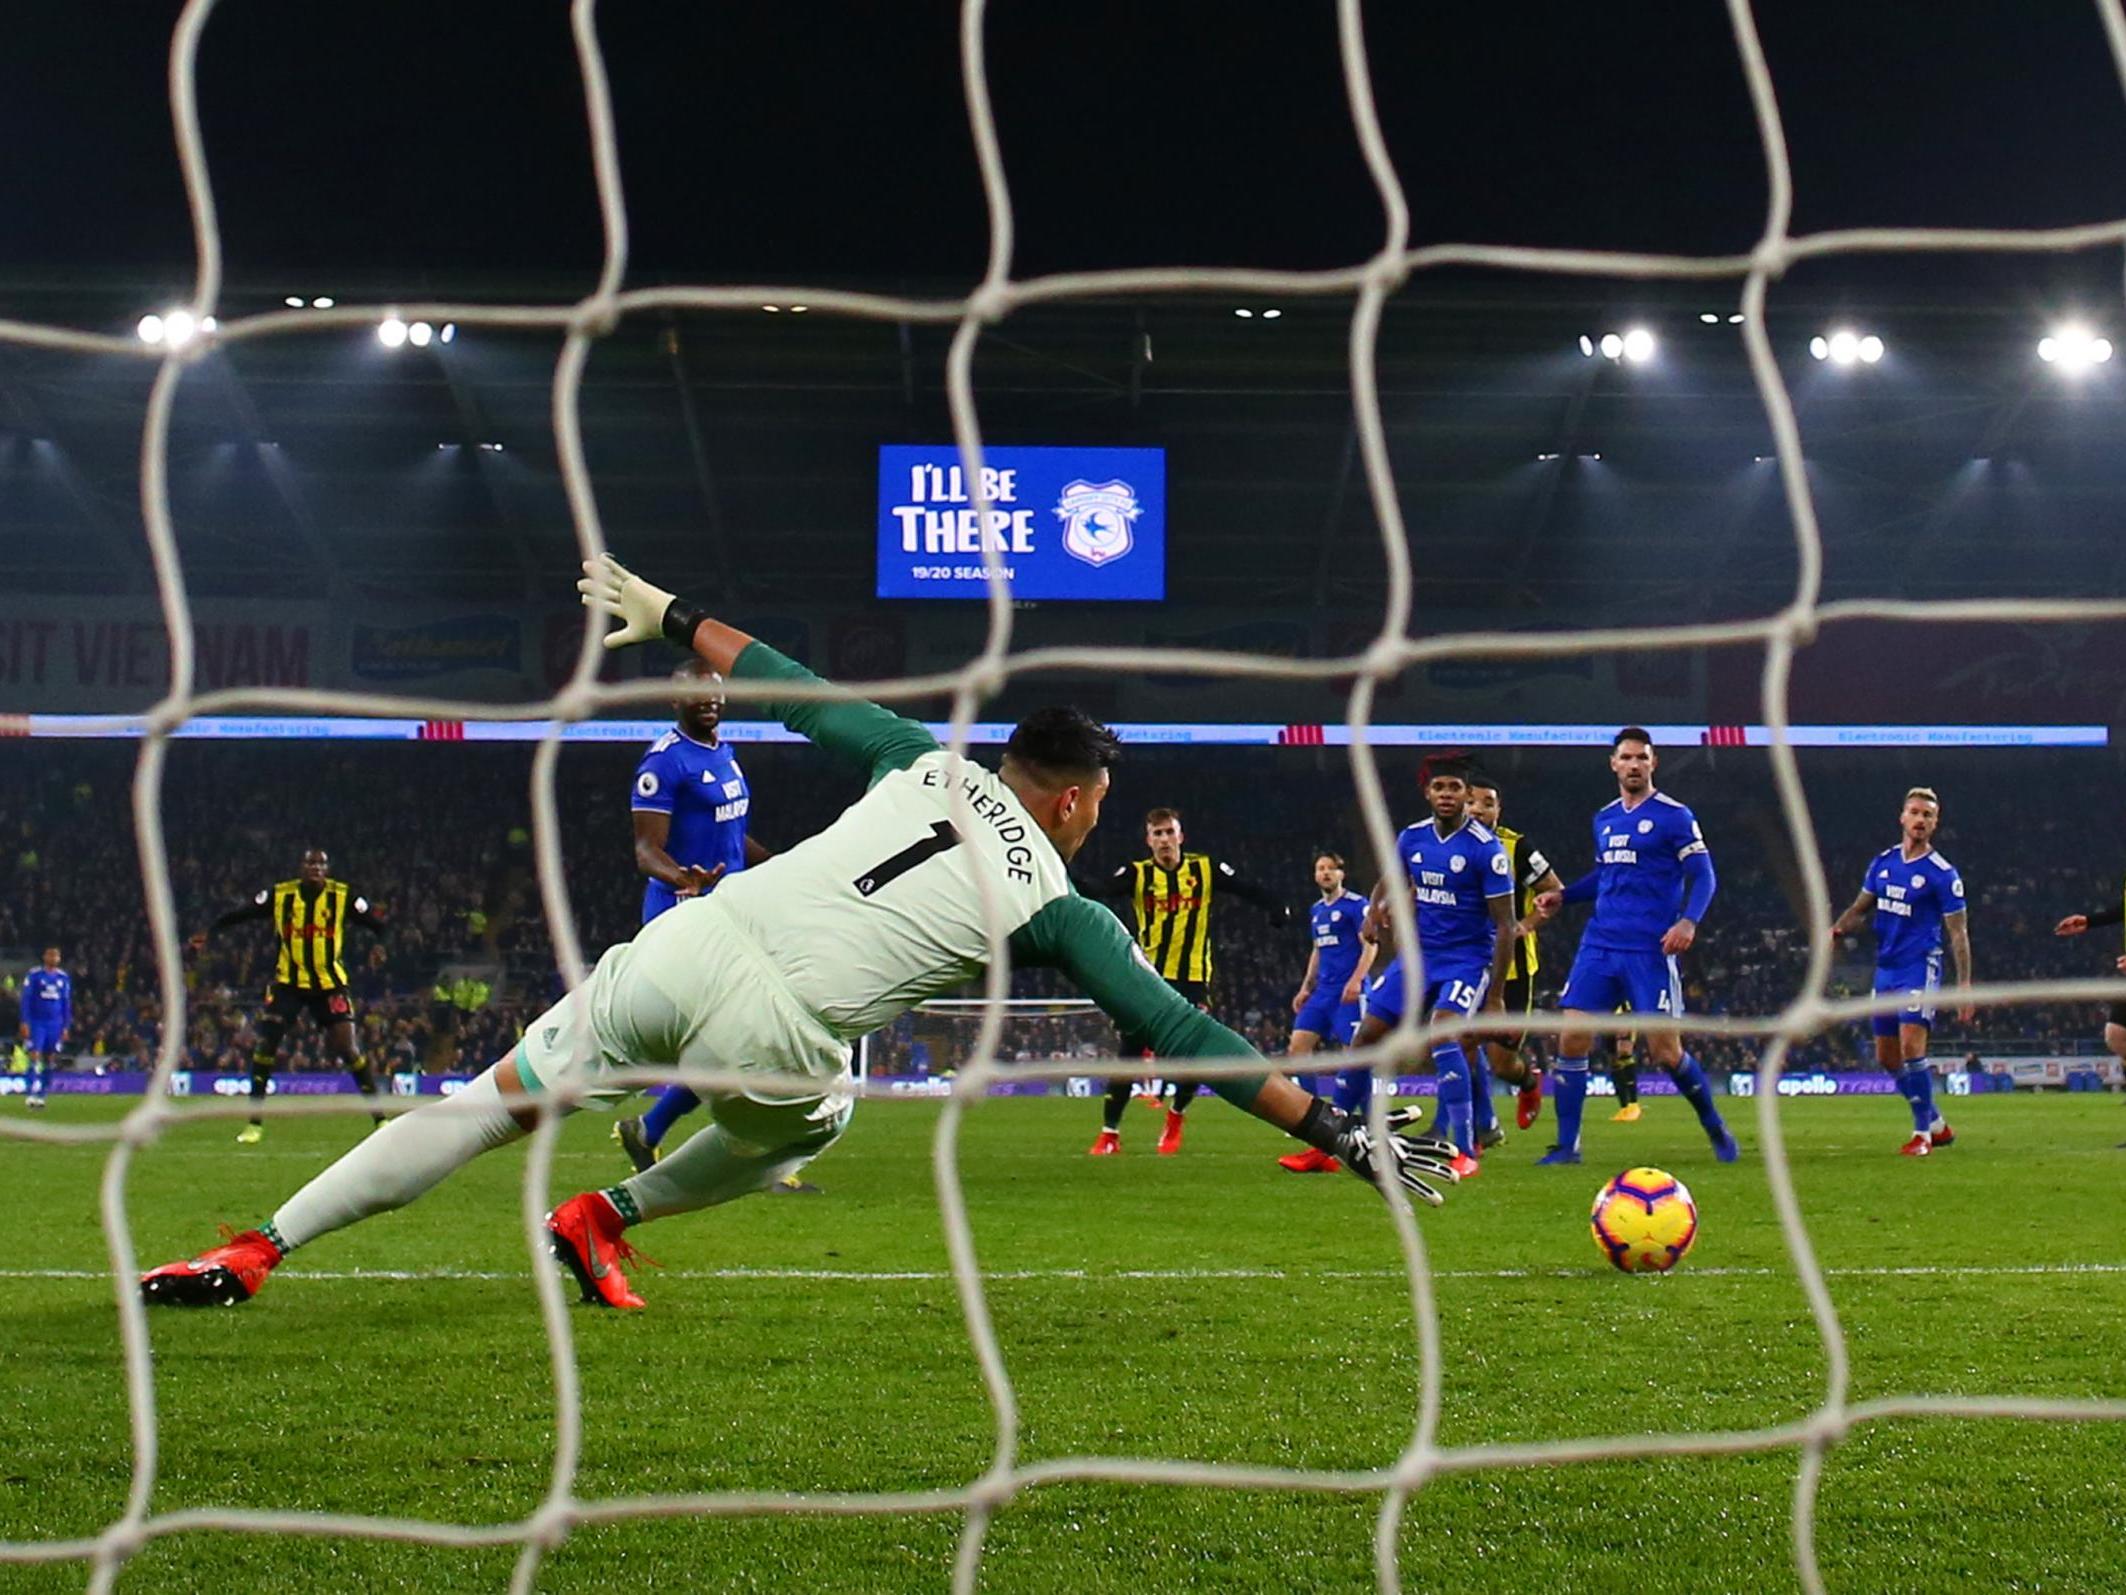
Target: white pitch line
x=1007, y=1276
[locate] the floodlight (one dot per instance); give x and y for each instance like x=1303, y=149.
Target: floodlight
x=2074, y=348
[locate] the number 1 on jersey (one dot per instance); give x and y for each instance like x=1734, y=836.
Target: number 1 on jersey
x=942, y=839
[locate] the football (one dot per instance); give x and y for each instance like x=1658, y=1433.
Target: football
x=1644, y=1221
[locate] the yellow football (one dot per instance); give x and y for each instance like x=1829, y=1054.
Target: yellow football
x=1644, y=1221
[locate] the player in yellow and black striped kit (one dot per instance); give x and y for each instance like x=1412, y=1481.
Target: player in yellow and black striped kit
x=1533, y=875
x=310, y=915
x=1171, y=896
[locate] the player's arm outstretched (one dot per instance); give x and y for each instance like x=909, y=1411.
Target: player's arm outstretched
x=259, y=907
x=873, y=737
x=1252, y=891
x=1117, y=886
x=1089, y=945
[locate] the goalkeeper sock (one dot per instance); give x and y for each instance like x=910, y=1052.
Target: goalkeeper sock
x=1569, y=1097
x=1453, y=1067
x=1184, y=1092
x=1690, y=1079
x=673, y=1103
x=714, y=1166
x=1354, y=1089
x=398, y=1163
x=1484, y=1110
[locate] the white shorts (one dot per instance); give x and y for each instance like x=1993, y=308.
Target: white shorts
x=694, y=991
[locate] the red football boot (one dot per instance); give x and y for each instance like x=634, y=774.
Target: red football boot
x=587, y=1241
x=1311, y=1161
x=232, y=1272
x=1942, y=1135
x=1466, y=1167
x=1528, y=1103
x=1919, y=1146
x=1109, y=1144
x=1170, y=1137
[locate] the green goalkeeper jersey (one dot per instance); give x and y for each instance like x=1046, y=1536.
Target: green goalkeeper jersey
x=884, y=908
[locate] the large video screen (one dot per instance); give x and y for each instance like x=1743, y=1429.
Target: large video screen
x=1063, y=523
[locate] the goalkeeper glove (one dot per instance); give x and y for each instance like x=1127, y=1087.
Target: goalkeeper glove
x=645, y=610
x=1414, y=1162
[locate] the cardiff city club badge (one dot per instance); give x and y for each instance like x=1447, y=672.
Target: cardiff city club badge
x=1096, y=520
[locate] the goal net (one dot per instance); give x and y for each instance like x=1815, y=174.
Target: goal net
x=981, y=1059
x=922, y=1053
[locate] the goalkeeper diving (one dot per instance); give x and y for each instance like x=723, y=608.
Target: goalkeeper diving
x=773, y=975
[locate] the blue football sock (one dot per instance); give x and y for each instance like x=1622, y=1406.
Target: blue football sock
x=36, y=1080
x=1689, y=1076
x=1480, y=1104
x=1568, y=1095
x=1453, y=1067
x=1354, y=1089
x=1917, y=1086
x=673, y=1103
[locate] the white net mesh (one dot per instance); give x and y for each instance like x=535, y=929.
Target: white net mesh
x=998, y=296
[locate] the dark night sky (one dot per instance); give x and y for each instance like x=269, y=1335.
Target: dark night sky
x=402, y=143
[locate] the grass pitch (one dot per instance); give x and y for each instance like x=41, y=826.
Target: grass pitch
x=1205, y=1307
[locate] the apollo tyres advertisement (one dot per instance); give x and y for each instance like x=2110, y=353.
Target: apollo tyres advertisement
x=1060, y=523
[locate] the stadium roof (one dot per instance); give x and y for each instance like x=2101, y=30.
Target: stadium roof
x=737, y=451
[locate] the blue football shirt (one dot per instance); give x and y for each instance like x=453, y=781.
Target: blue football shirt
x=1639, y=856
x=1911, y=896
x=1335, y=921
x=704, y=791
x=1453, y=878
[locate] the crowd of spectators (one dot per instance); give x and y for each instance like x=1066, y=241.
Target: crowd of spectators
x=438, y=836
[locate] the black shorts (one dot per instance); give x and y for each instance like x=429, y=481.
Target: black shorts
x=2117, y=1016
x=1516, y=999
x=285, y=1001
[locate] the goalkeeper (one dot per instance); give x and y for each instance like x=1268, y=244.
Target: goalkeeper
x=775, y=973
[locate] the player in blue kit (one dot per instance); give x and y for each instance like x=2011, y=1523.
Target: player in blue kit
x=1917, y=899
x=47, y=1015
x=691, y=809
x=1651, y=884
x=1461, y=883
x=1326, y=1006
